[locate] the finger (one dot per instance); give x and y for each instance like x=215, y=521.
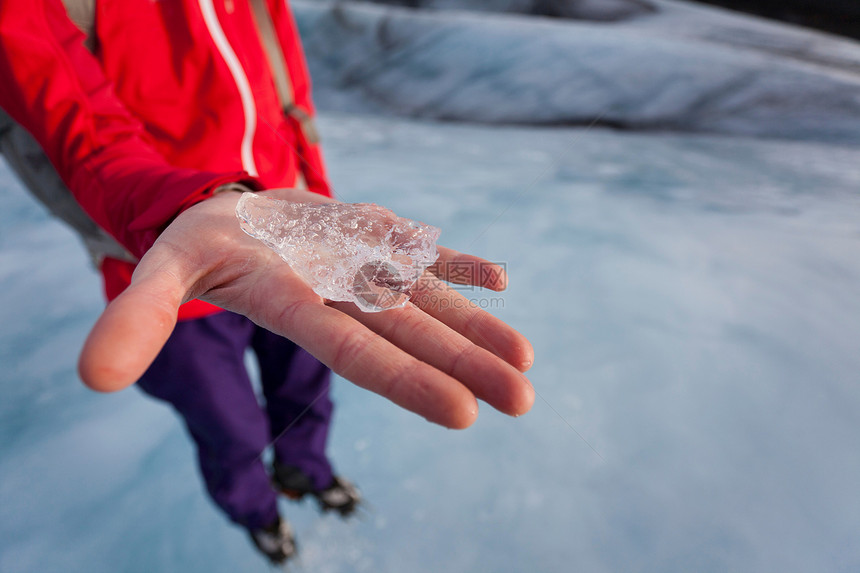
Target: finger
x=274, y=297
x=489, y=378
x=368, y=360
x=131, y=332
x=463, y=269
x=462, y=315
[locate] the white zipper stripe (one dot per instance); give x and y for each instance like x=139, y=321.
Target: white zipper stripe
x=245, y=93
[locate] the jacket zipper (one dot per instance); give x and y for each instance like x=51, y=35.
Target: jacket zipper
x=249, y=108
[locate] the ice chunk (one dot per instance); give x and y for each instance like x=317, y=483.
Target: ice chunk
x=358, y=252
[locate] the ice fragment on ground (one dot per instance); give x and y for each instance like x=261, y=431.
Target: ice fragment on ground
x=358, y=252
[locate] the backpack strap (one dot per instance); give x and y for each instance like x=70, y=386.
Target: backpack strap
x=278, y=67
x=83, y=14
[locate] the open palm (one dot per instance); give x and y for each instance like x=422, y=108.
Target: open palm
x=434, y=356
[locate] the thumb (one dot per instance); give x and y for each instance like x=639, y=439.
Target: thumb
x=131, y=332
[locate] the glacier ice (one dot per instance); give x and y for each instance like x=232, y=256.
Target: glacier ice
x=358, y=252
x=682, y=67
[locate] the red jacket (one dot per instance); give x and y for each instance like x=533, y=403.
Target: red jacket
x=176, y=100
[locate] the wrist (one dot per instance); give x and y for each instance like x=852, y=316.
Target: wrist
x=238, y=187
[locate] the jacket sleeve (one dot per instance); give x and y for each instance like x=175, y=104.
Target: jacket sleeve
x=55, y=88
x=310, y=154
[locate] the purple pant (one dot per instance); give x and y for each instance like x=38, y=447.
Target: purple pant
x=201, y=373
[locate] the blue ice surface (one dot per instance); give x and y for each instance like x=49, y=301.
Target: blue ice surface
x=693, y=305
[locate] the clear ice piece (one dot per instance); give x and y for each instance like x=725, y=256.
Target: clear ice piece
x=358, y=252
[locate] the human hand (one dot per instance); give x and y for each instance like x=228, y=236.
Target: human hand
x=434, y=356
